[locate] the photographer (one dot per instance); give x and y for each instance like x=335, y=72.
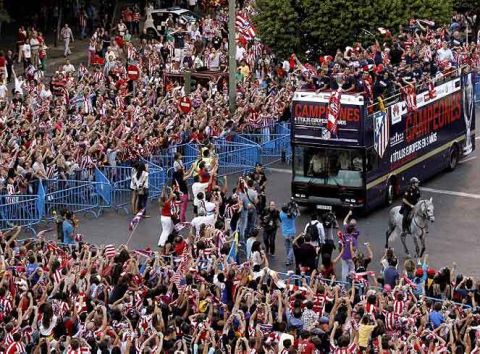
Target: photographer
x=270, y=220
x=288, y=217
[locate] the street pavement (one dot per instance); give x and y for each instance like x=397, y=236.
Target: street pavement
x=454, y=237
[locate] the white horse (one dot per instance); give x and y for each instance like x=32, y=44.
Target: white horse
x=422, y=215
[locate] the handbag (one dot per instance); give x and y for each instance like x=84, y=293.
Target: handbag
x=141, y=191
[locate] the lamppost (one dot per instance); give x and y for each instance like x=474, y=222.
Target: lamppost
x=232, y=62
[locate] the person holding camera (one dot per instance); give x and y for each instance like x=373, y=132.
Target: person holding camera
x=270, y=220
x=289, y=230
x=348, y=243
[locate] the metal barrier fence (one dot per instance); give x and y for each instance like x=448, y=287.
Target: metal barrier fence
x=22, y=210
x=119, y=178
x=235, y=157
x=76, y=196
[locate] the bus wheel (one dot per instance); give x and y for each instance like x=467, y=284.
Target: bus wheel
x=453, y=159
x=389, y=193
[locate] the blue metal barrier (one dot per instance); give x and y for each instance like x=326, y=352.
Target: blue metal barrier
x=104, y=188
x=76, y=196
x=235, y=157
x=156, y=179
x=22, y=210
x=119, y=178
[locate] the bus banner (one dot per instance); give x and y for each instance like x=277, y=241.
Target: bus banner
x=309, y=112
x=403, y=136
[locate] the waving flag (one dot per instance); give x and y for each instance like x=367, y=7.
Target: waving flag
x=136, y=219
x=179, y=276
x=245, y=27
x=232, y=254
x=110, y=251
x=333, y=110
x=410, y=97
x=381, y=132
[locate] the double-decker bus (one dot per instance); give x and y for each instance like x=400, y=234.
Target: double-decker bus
x=374, y=153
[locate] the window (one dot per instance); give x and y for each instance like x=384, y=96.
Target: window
x=341, y=167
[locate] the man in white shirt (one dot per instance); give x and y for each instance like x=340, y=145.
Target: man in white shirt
x=67, y=36
x=68, y=67
x=198, y=188
x=320, y=232
x=445, y=53
x=240, y=54
x=3, y=90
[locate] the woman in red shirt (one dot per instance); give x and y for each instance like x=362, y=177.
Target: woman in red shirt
x=166, y=202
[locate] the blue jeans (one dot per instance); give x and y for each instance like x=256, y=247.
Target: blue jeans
x=242, y=225
x=347, y=267
x=289, y=249
x=251, y=221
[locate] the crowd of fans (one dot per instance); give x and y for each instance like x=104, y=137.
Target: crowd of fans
x=193, y=296
x=210, y=288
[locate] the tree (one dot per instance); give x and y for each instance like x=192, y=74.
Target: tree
x=332, y=24
x=278, y=26
x=471, y=9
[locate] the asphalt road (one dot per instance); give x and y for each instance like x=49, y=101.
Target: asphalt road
x=454, y=237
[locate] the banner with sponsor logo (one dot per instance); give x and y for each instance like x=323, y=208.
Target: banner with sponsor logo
x=310, y=118
x=437, y=120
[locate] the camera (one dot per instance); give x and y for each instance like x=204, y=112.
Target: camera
x=292, y=209
x=329, y=219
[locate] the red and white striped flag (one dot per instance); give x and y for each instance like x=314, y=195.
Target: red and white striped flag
x=136, y=219
x=333, y=110
x=245, y=27
x=57, y=276
x=179, y=275
x=144, y=253
x=410, y=97
x=181, y=225
x=110, y=251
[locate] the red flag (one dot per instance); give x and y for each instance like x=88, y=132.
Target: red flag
x=333, y=110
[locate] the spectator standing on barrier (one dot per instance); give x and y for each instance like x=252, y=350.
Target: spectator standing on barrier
x=289, y=231
x=269, y=221
x=348, y=242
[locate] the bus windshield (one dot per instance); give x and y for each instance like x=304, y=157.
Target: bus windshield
x=337, y=167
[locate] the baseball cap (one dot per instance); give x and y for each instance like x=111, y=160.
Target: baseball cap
x=323, y=320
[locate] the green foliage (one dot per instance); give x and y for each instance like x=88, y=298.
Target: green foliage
x=278, y=25
x=330, y=24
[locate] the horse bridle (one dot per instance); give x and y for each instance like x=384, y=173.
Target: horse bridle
x=424, y=214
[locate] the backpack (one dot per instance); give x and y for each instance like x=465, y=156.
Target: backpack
x=312, y=230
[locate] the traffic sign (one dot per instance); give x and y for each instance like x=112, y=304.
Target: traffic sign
x=133, y=72
x=185, y=105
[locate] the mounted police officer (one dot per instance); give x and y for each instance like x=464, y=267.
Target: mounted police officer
x=410, y=199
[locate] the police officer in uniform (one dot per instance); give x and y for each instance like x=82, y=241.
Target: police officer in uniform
x=410, y=199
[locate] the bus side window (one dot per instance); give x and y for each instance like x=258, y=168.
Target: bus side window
x=372, y=160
